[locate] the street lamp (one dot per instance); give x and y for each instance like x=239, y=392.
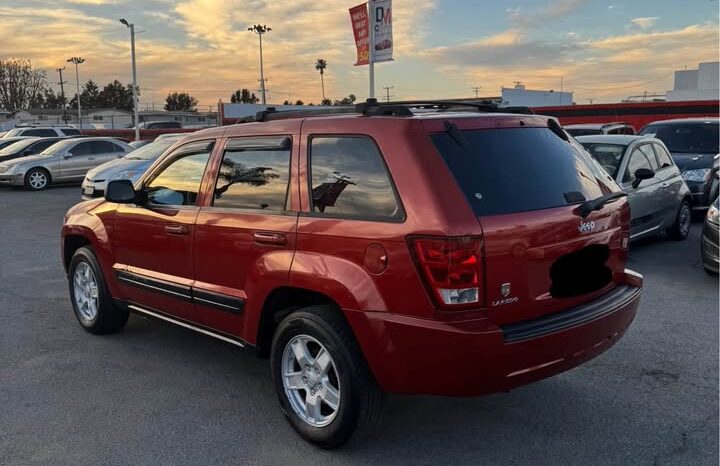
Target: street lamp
x=134, y=74
x=77, y=61
x=261, y=29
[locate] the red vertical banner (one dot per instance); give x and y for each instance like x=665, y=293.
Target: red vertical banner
x=359, y=19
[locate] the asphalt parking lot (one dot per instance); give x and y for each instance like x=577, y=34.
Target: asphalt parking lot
x=157, y=394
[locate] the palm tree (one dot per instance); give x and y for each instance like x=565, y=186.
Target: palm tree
x=320, y=65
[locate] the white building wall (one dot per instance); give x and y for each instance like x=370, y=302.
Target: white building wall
x=700, y=84
x=519, y=96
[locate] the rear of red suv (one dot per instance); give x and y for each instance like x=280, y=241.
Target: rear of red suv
x=443, y=253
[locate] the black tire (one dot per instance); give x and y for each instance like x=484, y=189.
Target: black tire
x=683, y=219
x=108, y=317
x=39, y=172
x=361, y=400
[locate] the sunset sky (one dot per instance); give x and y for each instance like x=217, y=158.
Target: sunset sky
x=603, y=49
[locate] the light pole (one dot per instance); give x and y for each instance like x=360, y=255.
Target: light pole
x=77, y=61
x=261, y=29
x=134, y=73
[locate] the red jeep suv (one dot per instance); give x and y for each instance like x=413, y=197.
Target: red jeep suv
x=407, y=248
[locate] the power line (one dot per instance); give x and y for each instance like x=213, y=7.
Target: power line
x=624, y=87
x=476, y=89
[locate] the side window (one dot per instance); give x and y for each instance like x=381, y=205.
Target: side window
x=254, y=174
x=103, y=147
x=117, y=147
x=84, y=148
x=663, y=157
x=349, y=179
x=629, y=130
x=641, y=157
x=71, y=131
x=178, y=183
x=618, y=130
x=40, y=132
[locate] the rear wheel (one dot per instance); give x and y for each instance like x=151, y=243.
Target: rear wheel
x=91, y=301
x=37, y=179
x=321, y=378
x=681, y=228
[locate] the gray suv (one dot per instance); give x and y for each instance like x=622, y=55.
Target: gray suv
x=660, y=201
x=65, y=161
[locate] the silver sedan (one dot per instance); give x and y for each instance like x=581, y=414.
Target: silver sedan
x=65, y=161
x=659, y=198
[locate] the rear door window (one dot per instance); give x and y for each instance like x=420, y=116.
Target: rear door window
x=84, y=148
x=103, y=147
x=502, y=171
x=349, y=179
x=254, y=174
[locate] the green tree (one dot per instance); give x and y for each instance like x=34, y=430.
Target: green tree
x=243, y=96
x=349, y=100
x=53, y=100
x=299, y=102
x=115, y=95
x=326, y=102
x=321, y=65
x=180, y=102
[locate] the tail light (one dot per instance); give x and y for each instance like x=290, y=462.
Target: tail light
x=451, y=268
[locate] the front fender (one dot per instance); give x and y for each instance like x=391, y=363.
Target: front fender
x=346, y=282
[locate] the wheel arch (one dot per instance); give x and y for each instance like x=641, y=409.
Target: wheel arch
x=280, y=303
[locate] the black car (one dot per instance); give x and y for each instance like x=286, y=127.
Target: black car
x=25, y=147
x=693, y=144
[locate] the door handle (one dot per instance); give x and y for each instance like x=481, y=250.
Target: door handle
x=176, y=230
x=664, y=185
x=277, y=239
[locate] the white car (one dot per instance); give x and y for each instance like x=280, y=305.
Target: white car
x=42, y=131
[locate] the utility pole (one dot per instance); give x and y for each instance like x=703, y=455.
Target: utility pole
x=477, y=90
x=134, y=75
x=77, y=61
x=62, y=92
x=261, y=29
x=387, y=92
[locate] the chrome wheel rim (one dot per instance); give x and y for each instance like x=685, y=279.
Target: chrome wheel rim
x=38, y=180
x=85, y=292
x=310, y=380
x=684, y=220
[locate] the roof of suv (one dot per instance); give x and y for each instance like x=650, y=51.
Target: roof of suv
x=619, y=139
x=597, y=125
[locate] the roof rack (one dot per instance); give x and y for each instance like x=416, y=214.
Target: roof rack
x=371, y=107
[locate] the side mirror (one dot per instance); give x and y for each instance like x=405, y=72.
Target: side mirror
x=642, y=174
x=121, y=192
x=67, y=155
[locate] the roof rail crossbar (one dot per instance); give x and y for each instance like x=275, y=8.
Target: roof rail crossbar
x=371, y=107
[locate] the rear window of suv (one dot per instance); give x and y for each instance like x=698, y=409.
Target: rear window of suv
x=502, y=171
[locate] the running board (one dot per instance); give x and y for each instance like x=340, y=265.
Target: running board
x=181, y=323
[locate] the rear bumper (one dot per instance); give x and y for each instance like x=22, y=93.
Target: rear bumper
x=419, y=356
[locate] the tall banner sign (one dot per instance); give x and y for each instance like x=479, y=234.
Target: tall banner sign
x=381, y=17
x=383, y=37
x=359, y=18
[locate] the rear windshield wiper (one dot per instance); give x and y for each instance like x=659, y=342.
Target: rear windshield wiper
x=452, y=130
x=586, y=207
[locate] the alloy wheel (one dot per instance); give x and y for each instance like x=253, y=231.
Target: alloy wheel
x=85, y=292
x=310, y=380
x=38, y=180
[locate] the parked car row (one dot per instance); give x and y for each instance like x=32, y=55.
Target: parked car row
x=61, y=160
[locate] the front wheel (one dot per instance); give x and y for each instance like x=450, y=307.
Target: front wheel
x=681, y=228
x=91, y=300
x=37, y=179
x=321, y=378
